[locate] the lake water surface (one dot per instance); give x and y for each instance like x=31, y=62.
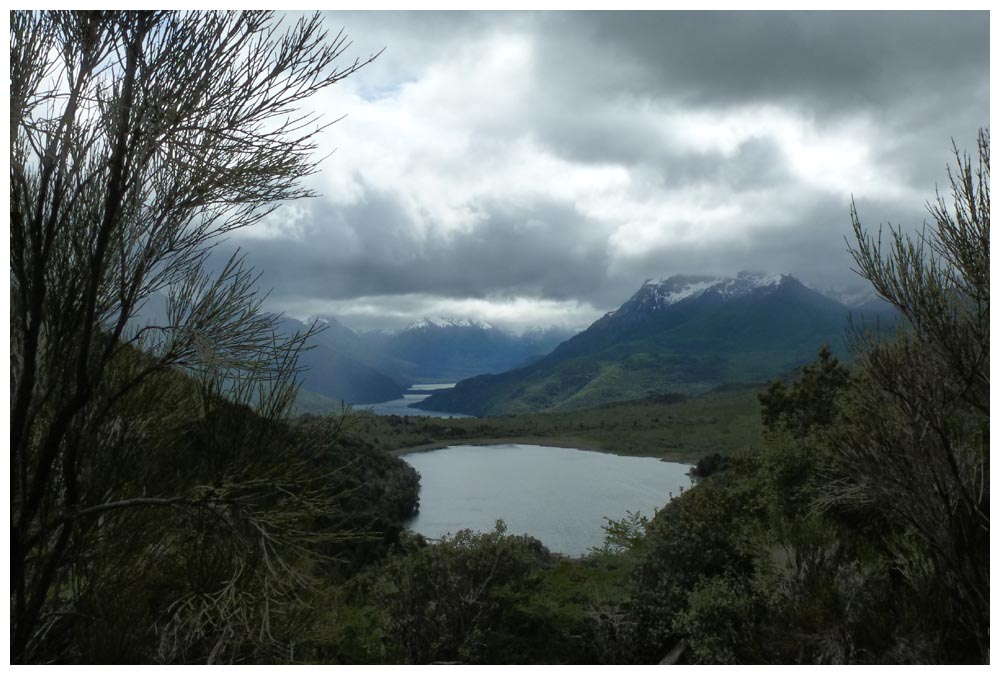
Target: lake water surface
x=416, y=392
x=557, y=495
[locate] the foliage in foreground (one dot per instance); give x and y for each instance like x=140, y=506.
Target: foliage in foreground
x=474, y=598
x=236, y=574
x=860, y=532
x=138, y=140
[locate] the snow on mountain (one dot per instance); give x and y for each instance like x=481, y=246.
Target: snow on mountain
x=677, y=288
x=378, y=332
x=851, y=296
x=448, y=322
x=681, y=334
x=656, y=294
x=746, y=282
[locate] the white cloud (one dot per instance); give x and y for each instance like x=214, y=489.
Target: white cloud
x=469, y=139
x=839, y=156
x=512, y=313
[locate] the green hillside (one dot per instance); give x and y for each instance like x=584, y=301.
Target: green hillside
x=690, y=347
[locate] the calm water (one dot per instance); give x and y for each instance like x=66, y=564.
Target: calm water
x=417, y=392
x=558, y=495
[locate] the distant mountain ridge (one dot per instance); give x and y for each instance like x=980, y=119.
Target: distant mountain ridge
x=339, y=365
x=450, y=349
x=447, y=322
x=379, y=366
x=336, y=365
x=860, y=300
x=683, y=334
x=655, y=295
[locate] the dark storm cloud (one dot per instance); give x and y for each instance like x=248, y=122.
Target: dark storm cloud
x=816, y=252
x=358, y=251
x=917, y=72
x=824, y=60
x=561, y=158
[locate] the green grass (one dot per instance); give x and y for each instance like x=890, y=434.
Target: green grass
x=674, y=428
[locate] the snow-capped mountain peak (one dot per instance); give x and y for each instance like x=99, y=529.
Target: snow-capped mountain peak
x=657, y=294
x=448, y=322
x=676, y=288
x=747, y=282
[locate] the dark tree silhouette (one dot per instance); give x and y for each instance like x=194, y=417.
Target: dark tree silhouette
x=137, y=140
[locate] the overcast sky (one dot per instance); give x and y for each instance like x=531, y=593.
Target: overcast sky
x=536, y=168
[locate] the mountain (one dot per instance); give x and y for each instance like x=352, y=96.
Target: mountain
x=449, y=322
x=685, y=334
x=337, y=365
x=448, y=349
x=861, y=300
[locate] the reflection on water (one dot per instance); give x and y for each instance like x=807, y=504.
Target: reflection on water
x=431, y=387
x=416, y=392
x=558, y=495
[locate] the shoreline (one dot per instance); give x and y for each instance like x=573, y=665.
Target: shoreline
x=545, y=441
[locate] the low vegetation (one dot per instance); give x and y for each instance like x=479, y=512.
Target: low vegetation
x=670, y=426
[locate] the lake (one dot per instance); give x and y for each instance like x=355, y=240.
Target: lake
x=416, y=392
x=557, y=495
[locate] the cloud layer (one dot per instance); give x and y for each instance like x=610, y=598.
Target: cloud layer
x=535, y=168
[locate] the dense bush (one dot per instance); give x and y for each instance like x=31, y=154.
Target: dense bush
x=443, y=602
x=860, y=531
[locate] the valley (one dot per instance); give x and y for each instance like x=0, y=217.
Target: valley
x=673, y=427
x=673, y=373
x=685, y=334
x=371, y=367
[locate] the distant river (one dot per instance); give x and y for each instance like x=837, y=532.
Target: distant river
x=417, y=392
x=557, y=495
